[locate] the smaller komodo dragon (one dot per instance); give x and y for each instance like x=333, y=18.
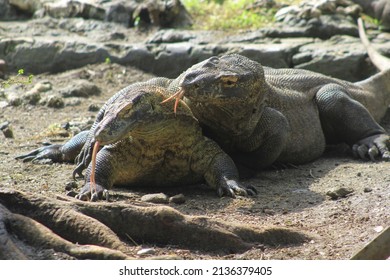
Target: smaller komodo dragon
x=260, y=115
x=146, y=144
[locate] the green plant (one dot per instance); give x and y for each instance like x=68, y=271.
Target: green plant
x=227, y=14
x=371, y=20
x=18, y=79
x=231, y=14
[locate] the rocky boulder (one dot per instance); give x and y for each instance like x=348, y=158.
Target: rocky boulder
x=130, y=13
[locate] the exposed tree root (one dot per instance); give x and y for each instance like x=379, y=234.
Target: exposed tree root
x=15, y=228
x=103, y=223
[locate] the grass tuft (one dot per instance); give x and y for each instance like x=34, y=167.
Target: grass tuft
x=230, y=14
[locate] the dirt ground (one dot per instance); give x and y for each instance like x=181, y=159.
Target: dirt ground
x=294, y=197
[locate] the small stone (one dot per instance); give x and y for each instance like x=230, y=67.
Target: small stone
x=71, y=193
x=3, y=104
x=159, y=198
x=6, y=128
x=54, y=101
x=270, y=212
x=146, y=251
x=378, y=229
x=14, y=99
x=70, y=185
x=3, y=68
x=367, y=189
x=73, y=101
x=354, y=10
x=80, y=88
x=341, y=192
x=32, y=97
x=43, y=86
x=177, y=199
x=359, y=174
x=93, y=108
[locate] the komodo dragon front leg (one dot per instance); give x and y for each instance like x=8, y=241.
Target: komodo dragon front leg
x=266, y=143
x=208, y=161
x=346, y=120
x=218, y=169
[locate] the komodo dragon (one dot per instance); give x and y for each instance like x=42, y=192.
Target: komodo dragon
x=260, y=115
x=146, y=144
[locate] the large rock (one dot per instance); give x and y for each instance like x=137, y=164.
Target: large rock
x=28, y=6
x=323, y=26
x=164, y=13
x=341, y=57
x=42, y=55
x=72, y=8
x=274, y=54
x=7, y=11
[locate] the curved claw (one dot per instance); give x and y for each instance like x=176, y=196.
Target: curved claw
x=233, y=188
x=50, y=152
x=251, y=190
x=78, y=171
x=373, y=147
x=85, y=193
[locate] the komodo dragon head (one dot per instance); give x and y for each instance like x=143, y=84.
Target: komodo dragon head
x=224, y=79
x=138, y=112
x=231, y=88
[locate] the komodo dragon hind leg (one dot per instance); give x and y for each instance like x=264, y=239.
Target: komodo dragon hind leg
x=48, y=152
x=346, y=120
x=56, y=152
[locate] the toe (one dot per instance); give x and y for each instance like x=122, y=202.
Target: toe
x=362, y=151
x=373, y=153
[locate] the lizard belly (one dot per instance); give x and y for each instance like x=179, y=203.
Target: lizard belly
x=138, y=164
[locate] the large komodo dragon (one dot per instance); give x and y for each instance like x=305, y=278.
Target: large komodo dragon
x=261, y=115
x=145, y=143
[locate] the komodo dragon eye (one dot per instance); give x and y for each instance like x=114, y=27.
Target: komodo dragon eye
x=126, y=111
x=229, y=81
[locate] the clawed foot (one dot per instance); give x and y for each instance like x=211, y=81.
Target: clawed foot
x=49, y=152
x=373, y=147
x=232, y=188
x=92, y=193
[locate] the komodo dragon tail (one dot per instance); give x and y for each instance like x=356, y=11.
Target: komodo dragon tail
x=380, y=61
x=379, y=84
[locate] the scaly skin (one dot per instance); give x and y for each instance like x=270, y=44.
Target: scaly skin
x=145, y=143
x=261, y=115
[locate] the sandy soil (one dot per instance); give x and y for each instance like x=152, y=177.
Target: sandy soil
x=294, y=197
